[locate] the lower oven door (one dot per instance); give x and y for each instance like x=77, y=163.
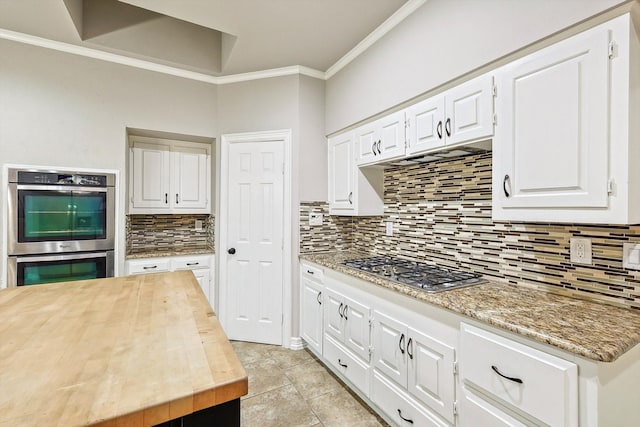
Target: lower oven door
x=39, y=269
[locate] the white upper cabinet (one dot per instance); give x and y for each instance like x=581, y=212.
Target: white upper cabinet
x=460, y=115
x=562, y=150
x=381, y=140
x=168, y=176
x=352, y=191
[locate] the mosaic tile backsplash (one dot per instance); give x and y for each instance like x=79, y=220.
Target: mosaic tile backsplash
x=441, y=212
x=149, y=232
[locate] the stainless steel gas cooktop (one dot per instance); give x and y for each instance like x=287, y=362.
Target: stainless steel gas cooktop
x=420, y=275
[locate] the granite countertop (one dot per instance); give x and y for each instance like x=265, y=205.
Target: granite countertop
x=589, y=329
x=169, y=251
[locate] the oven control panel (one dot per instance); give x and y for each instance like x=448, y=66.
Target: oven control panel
x=55, y=178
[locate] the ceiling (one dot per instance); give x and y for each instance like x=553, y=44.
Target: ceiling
x=215, y=37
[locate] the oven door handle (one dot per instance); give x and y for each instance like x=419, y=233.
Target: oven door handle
x=74, y=188
x=60, y=257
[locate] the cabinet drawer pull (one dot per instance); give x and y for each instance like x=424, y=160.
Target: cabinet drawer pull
x=342, y=364
x=309, y=271
x=151, y=267
x=193, y=263
x=504, y=186
x=439, y=129
x=410, y=348
x=408, y=420
x=401, y=343
x=319, y=298
x=515, y=380
x=447, y=127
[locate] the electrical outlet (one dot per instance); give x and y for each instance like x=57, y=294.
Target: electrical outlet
x=315, y=219
x=580, y=250
x=198, y=225
x=389, y=228
x=631, y=256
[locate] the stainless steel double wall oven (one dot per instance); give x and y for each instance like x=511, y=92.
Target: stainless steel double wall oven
x=61, y=226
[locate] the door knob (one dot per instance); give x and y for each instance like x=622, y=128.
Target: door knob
x=231, y=251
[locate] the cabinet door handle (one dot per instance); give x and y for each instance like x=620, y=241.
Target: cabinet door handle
x=342, y=364
x=177, y=198
x=344, y=311
x=378, y=145
x=410, y=348
x=340, y=310
x=351, y=198
x=373, y=148
x=514, y=379
x=504, y=186
x=150, y=267
x=447, y=127
x=408, y=420
x=319, y=298
x=401, y=343
x=193, y=263
x=439, y=129
x=166, y=198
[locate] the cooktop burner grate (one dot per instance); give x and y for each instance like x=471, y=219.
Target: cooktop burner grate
x=431, y=278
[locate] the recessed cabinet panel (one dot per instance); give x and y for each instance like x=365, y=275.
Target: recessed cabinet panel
x=426, y=125
x=381, y=140
x=341, y=172
x=367, y=143
x=469, y=110
x=551, y=147
x=333, y=317
x=357, y=336
x=150, y=178
x=311, y=314
x=389, y=351
x=190, y=169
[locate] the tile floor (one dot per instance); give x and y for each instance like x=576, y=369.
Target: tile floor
x=289, y=388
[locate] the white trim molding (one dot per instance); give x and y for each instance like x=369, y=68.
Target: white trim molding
x=407, y=9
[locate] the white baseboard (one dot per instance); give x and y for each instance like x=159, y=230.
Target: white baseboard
x=296, y=343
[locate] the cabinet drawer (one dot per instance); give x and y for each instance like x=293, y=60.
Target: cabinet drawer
x=398, y=406
x=313, y=273
x=534, y=382
x=191, y=263
x=349, y=366
x=148, y=266
x=477, y=412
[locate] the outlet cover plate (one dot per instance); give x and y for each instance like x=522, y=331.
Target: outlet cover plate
x=315, y=219
x=631, y=256
x=580, y=250
x=389, y=228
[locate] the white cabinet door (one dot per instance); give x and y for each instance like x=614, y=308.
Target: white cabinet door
x=341, y=173
x=203, y=278
x=389, y=351
x=381, y=140
x=190, y=178
x=425, y=129
x=311, y=316
x=150, y=178
x=551, y=146
x=357, y=335
x=332, y=314
x=431, y=373
x=469, y=108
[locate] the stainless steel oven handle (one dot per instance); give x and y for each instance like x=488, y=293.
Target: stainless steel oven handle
x=60, y=257
x=73, y=188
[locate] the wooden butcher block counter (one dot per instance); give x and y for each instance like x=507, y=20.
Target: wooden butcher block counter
x=135, y=351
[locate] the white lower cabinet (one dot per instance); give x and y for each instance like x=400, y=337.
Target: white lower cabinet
x=477, y=412
x=201, y=265
x=311, y=288
x=418, y=363
x=533, y=385
x=348, y=364
x=347, y=321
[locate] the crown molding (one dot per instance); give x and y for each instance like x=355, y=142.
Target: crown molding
x=407, y=9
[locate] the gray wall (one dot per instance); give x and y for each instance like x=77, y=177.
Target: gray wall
x=58, y=109
x=443, y=40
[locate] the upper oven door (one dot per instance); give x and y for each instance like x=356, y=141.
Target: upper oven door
x=54, y=218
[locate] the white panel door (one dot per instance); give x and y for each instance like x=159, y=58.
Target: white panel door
x=341, y=172
x=190, y=178
x=431, y=376
x=357, y=331
x=151, y=175
x=389, y=347
x=551, y=147
x=469, y=108
x=425, y=125
x=254, y=279
x=311, y=314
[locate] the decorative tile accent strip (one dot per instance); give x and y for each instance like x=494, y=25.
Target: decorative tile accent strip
x=333, y=235
x=149, y=232
x=441, y=212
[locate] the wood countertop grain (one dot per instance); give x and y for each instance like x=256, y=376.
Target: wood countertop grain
x=134, y=351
